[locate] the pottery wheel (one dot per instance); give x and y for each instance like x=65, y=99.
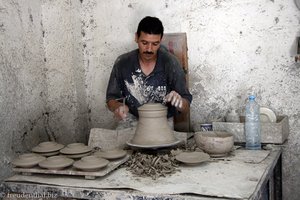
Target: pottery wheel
x=157, y=146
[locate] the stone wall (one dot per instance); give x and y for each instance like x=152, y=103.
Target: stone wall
x=67, y=110
x=22, y=79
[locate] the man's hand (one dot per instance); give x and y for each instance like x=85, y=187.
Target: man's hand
x=174, y=98
x=119, y=109
x=121, y=112
x=177, y=101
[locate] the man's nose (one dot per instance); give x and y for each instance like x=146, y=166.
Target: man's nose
x=149, y=47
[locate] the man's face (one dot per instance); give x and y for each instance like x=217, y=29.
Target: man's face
x=148, y=45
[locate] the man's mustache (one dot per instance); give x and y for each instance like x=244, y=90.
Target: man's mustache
x=148, y=52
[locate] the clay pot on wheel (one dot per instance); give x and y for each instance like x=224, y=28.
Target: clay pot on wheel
x=153, y=127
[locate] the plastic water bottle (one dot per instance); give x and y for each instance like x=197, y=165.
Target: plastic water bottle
x=252, y=124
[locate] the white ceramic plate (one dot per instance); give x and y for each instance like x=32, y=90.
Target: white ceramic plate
x=267, y=115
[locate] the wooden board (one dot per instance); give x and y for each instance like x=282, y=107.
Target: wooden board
x=74, y=172
x=176, y=43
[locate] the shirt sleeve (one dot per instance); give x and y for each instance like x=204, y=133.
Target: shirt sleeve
x=176, y=79
x=113, y=90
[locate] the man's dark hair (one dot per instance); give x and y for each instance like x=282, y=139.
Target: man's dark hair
x=150, y=25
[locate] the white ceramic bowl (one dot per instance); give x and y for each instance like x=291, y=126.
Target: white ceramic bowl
x=216, y=143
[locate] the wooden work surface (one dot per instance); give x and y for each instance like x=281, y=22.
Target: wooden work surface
x=239, y=176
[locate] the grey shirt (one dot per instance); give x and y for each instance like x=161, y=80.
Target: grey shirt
x=128, y=81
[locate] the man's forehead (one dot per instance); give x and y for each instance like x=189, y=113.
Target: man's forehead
x=150, y=37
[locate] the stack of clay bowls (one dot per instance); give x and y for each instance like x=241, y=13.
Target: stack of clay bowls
x=28, y=160
x=111, y=154
x=76, y=150
x=47, y=148
x=90, y=163
x=56, y=162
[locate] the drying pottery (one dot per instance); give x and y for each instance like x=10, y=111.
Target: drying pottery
x=111, y=154
x=28, y=160
x=47, y=154
x=90, y=163
x=75, y=148
x=192, y=158
x=215, y=143
x=76, y=156
x=153, y=128
x=56, y=162
x=46, y=147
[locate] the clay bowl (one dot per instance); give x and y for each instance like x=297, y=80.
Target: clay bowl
x=215, y=143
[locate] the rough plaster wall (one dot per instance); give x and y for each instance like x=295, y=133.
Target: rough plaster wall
x=22, y=85
x=233, y=45
x=66, y=96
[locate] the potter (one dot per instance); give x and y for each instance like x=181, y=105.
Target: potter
x=148, y=74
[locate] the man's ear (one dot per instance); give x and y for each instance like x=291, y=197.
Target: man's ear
x=136, y=38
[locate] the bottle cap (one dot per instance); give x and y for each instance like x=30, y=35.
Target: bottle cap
x=251, y=97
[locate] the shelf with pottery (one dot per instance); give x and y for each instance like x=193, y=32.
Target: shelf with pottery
x=274, y=129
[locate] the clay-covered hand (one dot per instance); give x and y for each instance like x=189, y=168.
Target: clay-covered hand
x=121, y=112
x=174, y=98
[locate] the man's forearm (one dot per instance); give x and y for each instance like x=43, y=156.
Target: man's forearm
x=185, y=106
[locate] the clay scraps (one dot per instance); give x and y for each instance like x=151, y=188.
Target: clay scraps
x=154, y=166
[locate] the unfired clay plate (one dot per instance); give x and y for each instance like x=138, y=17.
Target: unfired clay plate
x=46, y=147
x=112, y=154
x=56, y=162
x=28, y=160
x=192, y=158
x=91, y=163
x=54, y=153
x=75, y=149
x=80, y=155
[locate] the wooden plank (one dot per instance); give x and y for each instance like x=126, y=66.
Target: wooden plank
x=176, y=43
x=113, y=164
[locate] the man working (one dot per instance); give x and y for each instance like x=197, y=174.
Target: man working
x=147, y=74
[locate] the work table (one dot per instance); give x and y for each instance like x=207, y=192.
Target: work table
x=243, y=175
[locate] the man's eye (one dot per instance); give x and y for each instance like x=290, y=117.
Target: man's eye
x=155, y=43
x=144, y=43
